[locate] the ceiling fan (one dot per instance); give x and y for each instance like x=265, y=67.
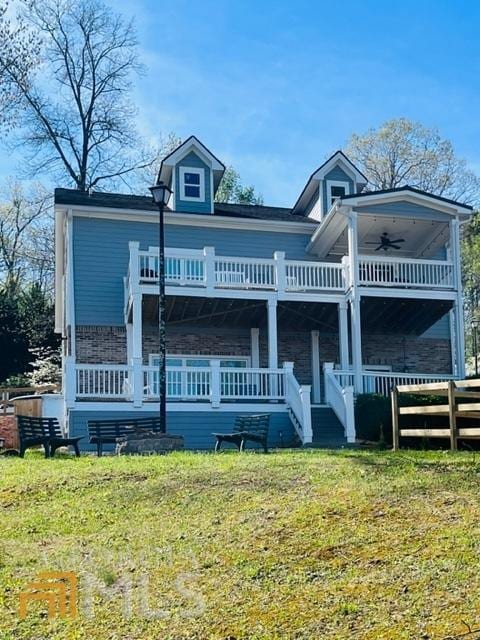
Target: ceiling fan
x=386, y=243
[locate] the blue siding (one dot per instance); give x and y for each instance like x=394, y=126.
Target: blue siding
x=439, y=330
x=337, y=173
x=407, y=209
x=196, y=427
x=101, y=254
x=193, y=160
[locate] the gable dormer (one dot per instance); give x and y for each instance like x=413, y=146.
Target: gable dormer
x=193, y=173
x=335, y=178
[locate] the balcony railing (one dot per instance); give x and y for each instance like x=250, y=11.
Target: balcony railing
x=400, y=272
x=203, y=268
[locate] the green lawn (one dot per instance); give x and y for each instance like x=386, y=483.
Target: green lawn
x=303, y=545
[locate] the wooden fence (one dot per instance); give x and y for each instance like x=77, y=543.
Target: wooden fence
x=463, y=403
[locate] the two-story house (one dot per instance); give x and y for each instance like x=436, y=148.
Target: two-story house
x=289, y=311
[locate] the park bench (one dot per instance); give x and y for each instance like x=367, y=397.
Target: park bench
x=108, y=431
x=35, y=431
x=246, y=428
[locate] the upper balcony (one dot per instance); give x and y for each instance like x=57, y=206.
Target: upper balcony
x=203, y=269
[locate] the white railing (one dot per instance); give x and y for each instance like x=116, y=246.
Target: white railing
x=340, y=399
x=183, y=383
x=297, y=397
x=102, y=381
x=314, y=276
x=400, y=272
x=382, y=382
x=252, y=384
x=245, y=273
x=203, y=268
x=179, y=269
x=211, y=383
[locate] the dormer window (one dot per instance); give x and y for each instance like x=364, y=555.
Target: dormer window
x=192, y=184
x=336, y=190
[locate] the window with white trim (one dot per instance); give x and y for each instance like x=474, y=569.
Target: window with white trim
x=335, y=190
x=192, y=184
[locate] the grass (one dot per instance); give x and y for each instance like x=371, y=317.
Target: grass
x=300, y=545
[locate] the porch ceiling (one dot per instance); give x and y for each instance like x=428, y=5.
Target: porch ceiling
x=378, y=315
x=221, y=312
x=401, y=316
x=423, y=238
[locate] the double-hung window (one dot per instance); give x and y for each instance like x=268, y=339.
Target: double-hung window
x=192, y=184
x=335, y=190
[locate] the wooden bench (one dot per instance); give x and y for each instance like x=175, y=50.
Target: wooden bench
x=246, y=428
x=34, y=431
x=107, y=431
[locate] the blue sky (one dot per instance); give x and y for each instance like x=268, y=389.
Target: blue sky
x=274, y=87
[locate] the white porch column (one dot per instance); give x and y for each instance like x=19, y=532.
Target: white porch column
x=280, y=270
x=137, y=358
x=255, y=347
x=355, y=301
x=316, y=388
x=458, y=303
x=356, y=343
x=272, y=334
x=344, y=350
x=453, y=340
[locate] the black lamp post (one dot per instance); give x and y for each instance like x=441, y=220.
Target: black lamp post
x=161, y=194
x=475, y=324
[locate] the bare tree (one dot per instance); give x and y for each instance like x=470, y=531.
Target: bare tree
x=77, y=118
x=402, y=152
x=26, y=236
x=19, y=50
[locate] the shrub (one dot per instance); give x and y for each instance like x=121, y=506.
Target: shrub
x=373, y=420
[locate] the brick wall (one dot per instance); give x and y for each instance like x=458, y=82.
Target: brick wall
x=426, y=355
x=8, y=431
x=408, y=353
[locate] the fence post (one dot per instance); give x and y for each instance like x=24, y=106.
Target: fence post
x=452, y=416
x=395, y=426
x=215, y=384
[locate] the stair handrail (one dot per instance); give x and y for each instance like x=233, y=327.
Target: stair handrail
x=341, y=400
x=297, y=398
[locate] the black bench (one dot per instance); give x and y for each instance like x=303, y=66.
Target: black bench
x=107, y=431
x=253, y=428
x=34, y=431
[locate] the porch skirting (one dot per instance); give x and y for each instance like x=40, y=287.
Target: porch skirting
x=195, y=426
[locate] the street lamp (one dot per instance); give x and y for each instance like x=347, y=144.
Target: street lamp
x=161, y=194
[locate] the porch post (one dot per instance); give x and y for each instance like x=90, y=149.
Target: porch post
x=255, y=347
x=317, y=396
x=453, y=340
x=343, y=347
x=356, y=343
x=355, y=301
x=272, y=334
x=137, y=358
x=458, y=303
